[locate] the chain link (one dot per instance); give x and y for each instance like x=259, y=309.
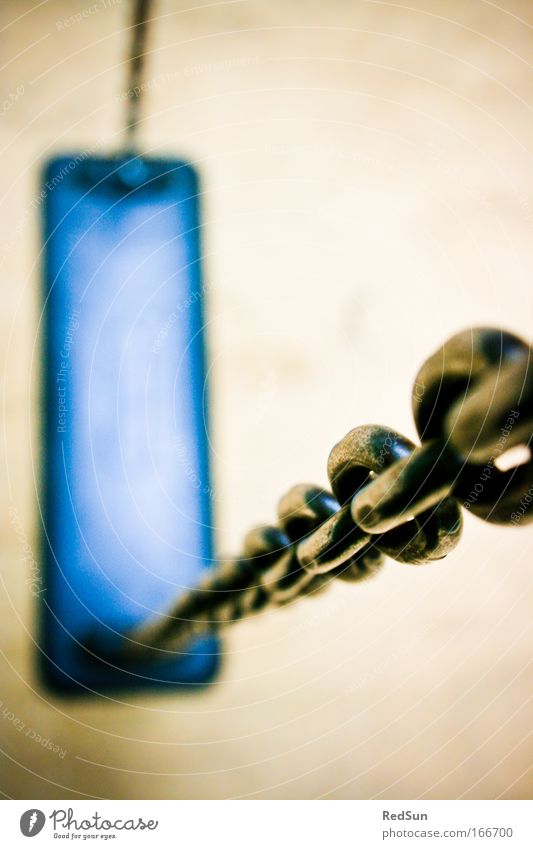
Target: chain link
x=472, y=401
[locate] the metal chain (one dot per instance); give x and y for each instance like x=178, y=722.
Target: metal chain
x=136, y=63
x=472, y=401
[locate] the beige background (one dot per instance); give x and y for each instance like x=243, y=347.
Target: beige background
x=368, y=177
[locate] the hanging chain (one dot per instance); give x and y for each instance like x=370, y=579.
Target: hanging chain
x=136, y=64
x=472, y=401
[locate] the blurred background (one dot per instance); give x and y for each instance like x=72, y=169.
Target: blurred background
x=367, y=175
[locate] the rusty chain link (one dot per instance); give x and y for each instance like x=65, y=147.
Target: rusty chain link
x=472, y=401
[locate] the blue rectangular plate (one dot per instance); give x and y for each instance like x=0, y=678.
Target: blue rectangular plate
x=126, y=489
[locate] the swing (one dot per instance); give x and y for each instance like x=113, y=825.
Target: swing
x=125, y=372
